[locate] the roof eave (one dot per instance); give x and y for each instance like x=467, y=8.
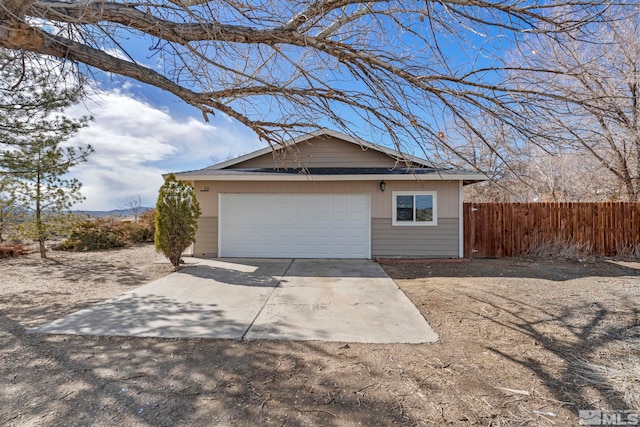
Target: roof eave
x=467, y=178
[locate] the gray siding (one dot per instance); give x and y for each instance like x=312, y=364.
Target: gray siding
x=439, y=241
x=381, y=203
x=321, y=152
x=206, y=237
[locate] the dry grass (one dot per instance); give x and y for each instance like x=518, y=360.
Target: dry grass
x=628, y=252
x=574, y=249
x=620, y=373
x=559, y=247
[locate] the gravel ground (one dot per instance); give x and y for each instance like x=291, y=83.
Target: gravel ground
x=516, y=336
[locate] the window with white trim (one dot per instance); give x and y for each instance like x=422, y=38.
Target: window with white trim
x=414, y=208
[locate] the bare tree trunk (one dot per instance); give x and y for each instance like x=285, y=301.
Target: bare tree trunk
x=2, y=225
x=39, y=224
x=43, y=249
x=635, y=125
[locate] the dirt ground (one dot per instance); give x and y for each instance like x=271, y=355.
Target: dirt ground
x=516, y=336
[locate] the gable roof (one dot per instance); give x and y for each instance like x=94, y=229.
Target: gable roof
x=408, y=167
x=326, y=132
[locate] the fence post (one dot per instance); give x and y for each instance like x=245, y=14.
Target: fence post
x=472, y=230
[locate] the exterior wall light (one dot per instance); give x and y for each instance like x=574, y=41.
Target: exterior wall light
x=383, y=185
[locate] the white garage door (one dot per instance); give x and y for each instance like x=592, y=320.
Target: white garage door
x=294, y=225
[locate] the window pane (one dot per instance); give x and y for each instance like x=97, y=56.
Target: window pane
x=404, y=208
x=424, y=208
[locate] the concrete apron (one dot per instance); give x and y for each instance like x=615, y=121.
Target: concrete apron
x=277, y=299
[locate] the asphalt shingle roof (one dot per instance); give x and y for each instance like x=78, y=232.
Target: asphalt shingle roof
x=324, y=171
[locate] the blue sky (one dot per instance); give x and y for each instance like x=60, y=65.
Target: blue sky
x=139, y=133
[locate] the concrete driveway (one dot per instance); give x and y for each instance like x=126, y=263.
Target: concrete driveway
x=283, y=299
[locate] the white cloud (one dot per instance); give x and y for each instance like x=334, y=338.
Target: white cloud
x=118, y=53
x=136, y=142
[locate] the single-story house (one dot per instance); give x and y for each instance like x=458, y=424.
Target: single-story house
x=329, y=195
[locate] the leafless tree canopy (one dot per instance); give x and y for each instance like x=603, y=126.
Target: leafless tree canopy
x=134, y=207
x=581, y=118
x=591, y=106
x=282, y=66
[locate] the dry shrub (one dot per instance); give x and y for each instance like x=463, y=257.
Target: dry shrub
x=628, y=252
x=106, y=233
x=148, y=220
x=135, y=232
x=91, y=235
x=9, y=250
x=560, y=247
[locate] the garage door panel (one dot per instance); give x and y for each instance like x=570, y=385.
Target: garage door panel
x=294, y=225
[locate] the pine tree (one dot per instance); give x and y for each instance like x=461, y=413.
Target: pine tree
x=177, y=213
x=31, y=91
x=33, y=131
x=38, y=167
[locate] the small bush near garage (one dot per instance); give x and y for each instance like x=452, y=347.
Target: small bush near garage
x=108, y=233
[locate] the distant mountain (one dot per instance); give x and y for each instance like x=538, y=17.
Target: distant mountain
x=112, y=212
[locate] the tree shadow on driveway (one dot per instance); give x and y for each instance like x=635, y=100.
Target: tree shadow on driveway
x=231, y=277
x=145, y=316
x=113, y=381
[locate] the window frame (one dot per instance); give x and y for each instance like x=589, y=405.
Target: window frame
x=414, y=223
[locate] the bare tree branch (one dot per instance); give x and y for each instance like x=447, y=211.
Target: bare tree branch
x=591, y=103
x=283, y=67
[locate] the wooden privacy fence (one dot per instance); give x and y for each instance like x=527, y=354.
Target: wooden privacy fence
x=494, y=230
